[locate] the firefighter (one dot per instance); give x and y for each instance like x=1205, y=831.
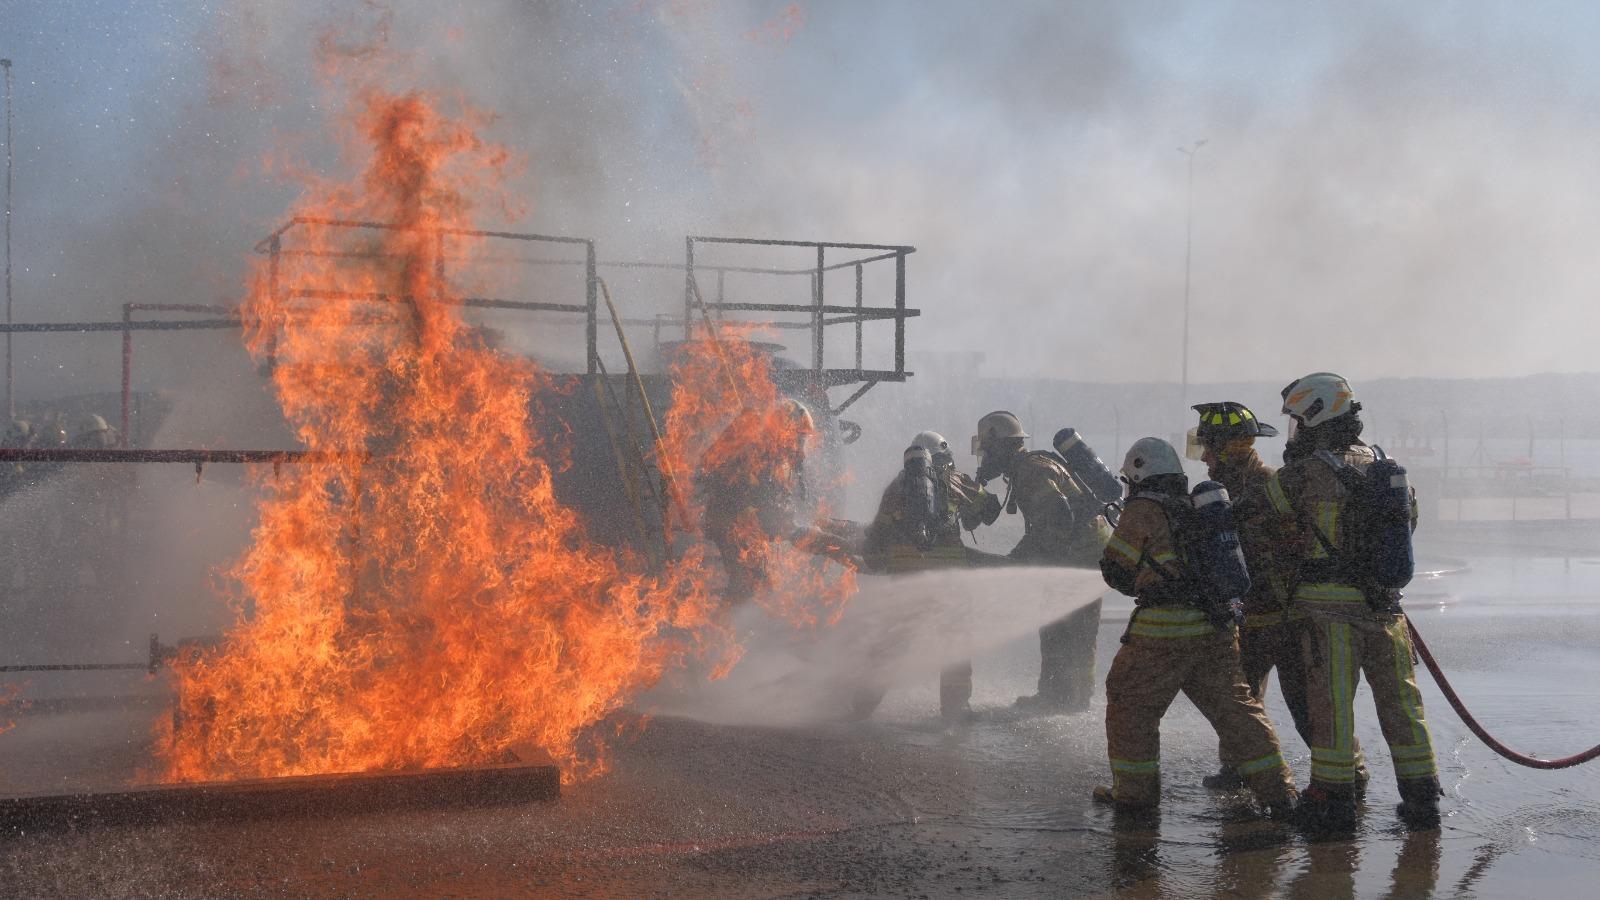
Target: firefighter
x=1352, y=629
x=1173, y=645
x=51, y=434
x=1063, y=527
x=754, y=489
x=94, y=434
x=19, y=436
x=1269, y=637
x=917, y=528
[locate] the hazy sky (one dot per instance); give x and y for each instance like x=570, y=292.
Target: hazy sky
x=1387, y=189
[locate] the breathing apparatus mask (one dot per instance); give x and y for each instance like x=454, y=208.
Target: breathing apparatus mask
x=992, y=463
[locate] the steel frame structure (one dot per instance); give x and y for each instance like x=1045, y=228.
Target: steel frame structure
x=819, y=315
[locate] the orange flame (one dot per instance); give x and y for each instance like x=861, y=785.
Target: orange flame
x=418, y=595
x=420, y=598
x=729, y=424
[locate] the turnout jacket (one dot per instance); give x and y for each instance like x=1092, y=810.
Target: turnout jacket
x=1246, y=476
x=961, y=502
x=1306, y=500
x=1141, y=560
x=1060, y=522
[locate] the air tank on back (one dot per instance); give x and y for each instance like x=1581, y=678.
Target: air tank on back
x=1086, y=466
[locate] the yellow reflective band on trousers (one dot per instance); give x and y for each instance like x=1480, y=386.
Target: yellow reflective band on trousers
x=1410, y=695
x=1337, y=763
x=1136, y=766
x=1170, y=622
x=1266, y=763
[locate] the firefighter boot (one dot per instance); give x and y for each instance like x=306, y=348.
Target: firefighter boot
x=1419, y=803
x=1326, y=814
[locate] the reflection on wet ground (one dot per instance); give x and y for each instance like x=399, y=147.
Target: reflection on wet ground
x=898, y=806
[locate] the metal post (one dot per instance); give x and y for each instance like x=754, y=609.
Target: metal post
x=1188, y=252
x=900, y=313
x=688, y=288
x=11, y=397
x=722, y=296
x=816, y=316
x=438, y=266
x=858, y=316
x=272, y=295
x=591, y=297
x=1561, y=458
x=127, y=372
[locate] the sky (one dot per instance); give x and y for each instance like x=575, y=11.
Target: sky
x=1385, y=189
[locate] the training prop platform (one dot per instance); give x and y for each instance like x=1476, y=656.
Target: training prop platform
x=308, y=796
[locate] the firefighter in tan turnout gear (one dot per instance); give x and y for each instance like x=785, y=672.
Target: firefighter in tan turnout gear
x=918, y=528
x=1337, y=558
x=1062, y=527
x=755, y=493
x=1269, y=636
x=1175, y=643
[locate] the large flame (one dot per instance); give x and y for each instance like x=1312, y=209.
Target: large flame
x=729, y=428
x=418, y=596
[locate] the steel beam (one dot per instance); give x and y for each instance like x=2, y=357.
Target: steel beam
x=308, y=796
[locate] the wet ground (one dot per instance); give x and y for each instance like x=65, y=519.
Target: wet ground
x=898, y=806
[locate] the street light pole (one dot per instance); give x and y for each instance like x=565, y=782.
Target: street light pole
x=1188, y=255
x=11, y=399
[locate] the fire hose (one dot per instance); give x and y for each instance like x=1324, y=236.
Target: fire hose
x=1521, y=759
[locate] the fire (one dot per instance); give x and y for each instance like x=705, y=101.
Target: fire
x=420, y=598
x=729, y=424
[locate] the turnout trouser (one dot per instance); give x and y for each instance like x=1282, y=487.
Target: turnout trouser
x=1338, y=650
x=1267, y=642
x=1263, y=648
x=1171, y=650
x=1066, y=658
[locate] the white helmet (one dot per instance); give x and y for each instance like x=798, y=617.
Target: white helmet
x=996, y=425
x=938, y=448
x=1317, y=398
x=1148, y=457
x=801, y=416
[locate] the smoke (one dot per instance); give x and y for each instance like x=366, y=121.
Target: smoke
x=896, y=633
x=1386, y=190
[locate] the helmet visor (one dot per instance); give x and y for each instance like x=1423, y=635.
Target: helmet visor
x=977, y=446
x=1192, y=446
